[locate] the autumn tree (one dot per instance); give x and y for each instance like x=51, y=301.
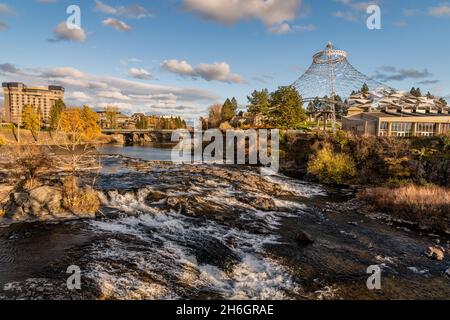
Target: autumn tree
x=80, y=128
x=215, y=116
x=31, y=119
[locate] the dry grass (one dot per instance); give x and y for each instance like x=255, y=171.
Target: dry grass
x=78, y=200
x=426, y=205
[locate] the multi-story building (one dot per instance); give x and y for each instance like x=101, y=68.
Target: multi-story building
x=17, y=96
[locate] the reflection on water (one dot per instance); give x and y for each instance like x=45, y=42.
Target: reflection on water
x=149, y=152
x=26, y=249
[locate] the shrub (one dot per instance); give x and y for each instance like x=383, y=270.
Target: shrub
x=87, y=202
x=78, y=200
x=330, y=167
x=427, y=205
x=2, y=141
x=225, y=126
x=30, y=162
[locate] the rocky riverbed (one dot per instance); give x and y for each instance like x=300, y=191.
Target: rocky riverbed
x=202, y=231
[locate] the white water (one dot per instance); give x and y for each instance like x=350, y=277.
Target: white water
x=165, y=265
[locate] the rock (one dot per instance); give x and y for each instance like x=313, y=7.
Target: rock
x=155, y=196
x=5, y=192
x=264, y=204
x=304, y=238
x=20, y=198
x=46, y=197
x=260, y=203
x=435, y=253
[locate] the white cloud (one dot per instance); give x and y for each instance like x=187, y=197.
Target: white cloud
x=286, y=28
x=132, y=11
x=113, y=95
x=63, y=33
x=130, y=60
x=63, y=72
x=117, y=24
x=354, y=11
x=130, y=95
x=179, y=67
x=270, y=12
x=5, y=9
x=139, y=73
x=218, y=71
x=79, y=96
x=440, y=11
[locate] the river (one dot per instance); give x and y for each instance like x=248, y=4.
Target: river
x=205, y=231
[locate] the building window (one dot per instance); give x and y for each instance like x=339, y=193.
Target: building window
x=445, y=128
x=384, y=131
x=401, y=129
x=425, y=129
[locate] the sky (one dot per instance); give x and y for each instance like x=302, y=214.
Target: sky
x=177, y=57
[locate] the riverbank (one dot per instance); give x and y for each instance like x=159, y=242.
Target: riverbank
x=44, y=138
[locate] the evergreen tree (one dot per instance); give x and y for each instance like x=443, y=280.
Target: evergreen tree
x=259, y=102
x=55, y=114
x=235, y=104
x=416, y=92
x=228, y=110
x=443, y=101
x=365, y=88
x=286, y=108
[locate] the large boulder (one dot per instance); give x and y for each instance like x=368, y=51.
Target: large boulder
x=43, y=203
x=48, y=197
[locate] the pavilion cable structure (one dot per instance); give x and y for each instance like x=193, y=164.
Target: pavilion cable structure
x=331, y=75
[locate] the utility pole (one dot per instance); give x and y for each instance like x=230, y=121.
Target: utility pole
x=18, y=129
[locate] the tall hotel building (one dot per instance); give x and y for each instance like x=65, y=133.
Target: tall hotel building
x=17, y=96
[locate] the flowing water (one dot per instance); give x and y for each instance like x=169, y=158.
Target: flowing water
x=204, y=231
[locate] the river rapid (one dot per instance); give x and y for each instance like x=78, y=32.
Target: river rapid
x=217, y=232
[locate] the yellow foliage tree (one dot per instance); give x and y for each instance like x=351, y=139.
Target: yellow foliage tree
x=31, y=119
x=80, y=128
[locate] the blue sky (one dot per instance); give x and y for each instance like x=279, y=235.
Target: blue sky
x=180, y=56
